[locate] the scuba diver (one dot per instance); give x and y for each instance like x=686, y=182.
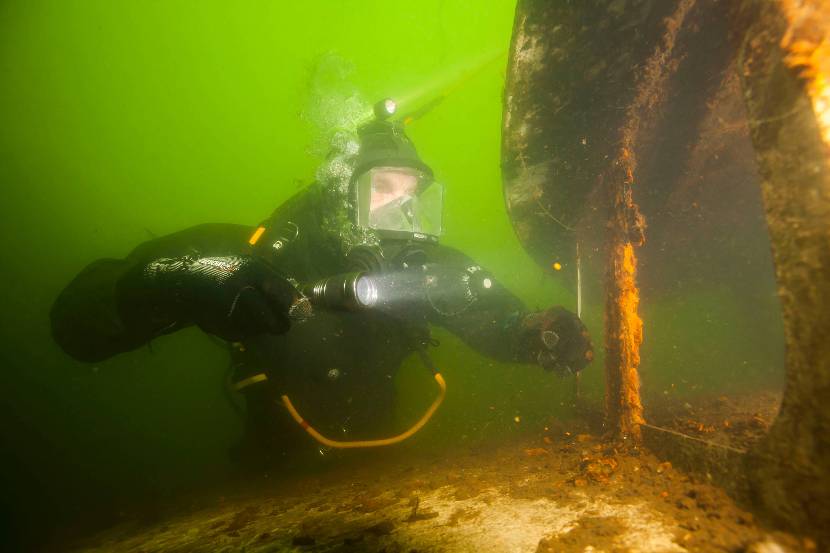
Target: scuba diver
x=323, y=301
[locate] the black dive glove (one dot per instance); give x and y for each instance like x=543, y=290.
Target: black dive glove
x=233, y=297
x=555, y=339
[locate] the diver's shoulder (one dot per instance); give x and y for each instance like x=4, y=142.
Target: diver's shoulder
x=218, y=229
x=204, y=237
x=307, y=199
x=441, y=253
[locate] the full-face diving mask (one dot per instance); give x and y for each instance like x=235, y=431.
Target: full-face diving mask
x=399, y=202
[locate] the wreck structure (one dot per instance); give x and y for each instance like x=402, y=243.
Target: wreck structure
x=655, y=146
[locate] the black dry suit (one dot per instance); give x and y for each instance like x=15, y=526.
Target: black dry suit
x=337, y=366
x=245, y=285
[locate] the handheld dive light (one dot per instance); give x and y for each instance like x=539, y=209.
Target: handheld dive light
x=447, y=292
x=350, y=291
x=353, y=291
x=356, y=291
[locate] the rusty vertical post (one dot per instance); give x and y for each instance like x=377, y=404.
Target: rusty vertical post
x=626, y=232
x=624, y=328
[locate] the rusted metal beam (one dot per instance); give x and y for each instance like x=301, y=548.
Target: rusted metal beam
x=626, y=231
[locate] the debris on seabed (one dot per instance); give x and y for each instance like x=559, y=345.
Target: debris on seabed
x=582, y=492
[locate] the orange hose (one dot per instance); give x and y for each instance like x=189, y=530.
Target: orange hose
x=370, y=443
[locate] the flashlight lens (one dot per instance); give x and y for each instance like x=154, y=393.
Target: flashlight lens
x=390, y=106
x=366, y=292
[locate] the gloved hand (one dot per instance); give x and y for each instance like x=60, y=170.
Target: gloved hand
x=233, y=297
x=557, y=340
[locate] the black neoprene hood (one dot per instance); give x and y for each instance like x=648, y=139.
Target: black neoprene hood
x=383, y=143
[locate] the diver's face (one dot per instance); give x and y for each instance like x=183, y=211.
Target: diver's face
x=390, y=184
x=398, y=199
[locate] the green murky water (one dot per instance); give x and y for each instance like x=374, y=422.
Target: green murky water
x=125, y=120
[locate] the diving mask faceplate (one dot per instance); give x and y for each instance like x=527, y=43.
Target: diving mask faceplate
x=400, y=200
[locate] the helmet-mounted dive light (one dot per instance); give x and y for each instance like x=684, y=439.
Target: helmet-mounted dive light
x=385, y=109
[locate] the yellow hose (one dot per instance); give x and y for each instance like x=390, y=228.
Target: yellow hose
x=370, y=443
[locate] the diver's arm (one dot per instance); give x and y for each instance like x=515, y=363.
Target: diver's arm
x=489, y=324
x=496, y=323
x=197, y=276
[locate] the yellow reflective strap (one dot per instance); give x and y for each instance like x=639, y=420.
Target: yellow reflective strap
x=261, y=377
x=256, y=235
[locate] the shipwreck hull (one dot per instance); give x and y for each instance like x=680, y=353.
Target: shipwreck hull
x=680, y=146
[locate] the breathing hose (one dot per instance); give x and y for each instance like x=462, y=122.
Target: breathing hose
x=370, y=443
x=442, y=392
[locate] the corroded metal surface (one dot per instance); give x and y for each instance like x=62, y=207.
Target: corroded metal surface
x=618, y=116
x=569, y=84
x=784, y=66
x=625, y=131
x=646, y=132
x=625, y=232
x=597, y=89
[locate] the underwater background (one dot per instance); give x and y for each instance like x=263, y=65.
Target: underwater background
x=127, y=120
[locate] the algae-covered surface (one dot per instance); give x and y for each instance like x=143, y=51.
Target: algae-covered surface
x=562, y=491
